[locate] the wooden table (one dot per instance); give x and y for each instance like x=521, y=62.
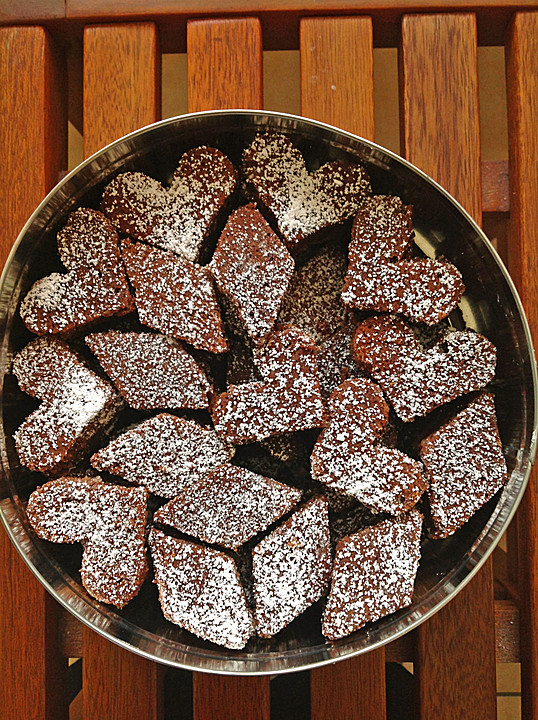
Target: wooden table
x=454, y=653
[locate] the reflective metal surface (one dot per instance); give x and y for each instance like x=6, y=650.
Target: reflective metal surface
x=490, y=305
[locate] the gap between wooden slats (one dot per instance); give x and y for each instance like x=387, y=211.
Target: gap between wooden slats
x=225, y=71
x=522, y=85
x=455, y=663
x=121, y=94
x=337, y=87
x=32, y=151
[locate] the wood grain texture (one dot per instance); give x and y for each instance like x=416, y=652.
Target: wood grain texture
x=31, y=10
x=122, y=81
x=495, y=186
x=522, y=86
x=117, y=684
x=224, y=64
x=223, y=697
x=455, y=663
x=32, y=152
x=350, y=690
x=337, y=72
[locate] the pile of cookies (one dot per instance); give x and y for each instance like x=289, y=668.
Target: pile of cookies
x=250, y=393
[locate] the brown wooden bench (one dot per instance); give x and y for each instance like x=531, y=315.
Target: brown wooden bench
x=454, y=653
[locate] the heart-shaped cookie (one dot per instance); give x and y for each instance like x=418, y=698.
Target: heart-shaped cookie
x=181, y=217
x=95, y=286
x=301, y=206
x=110, y=522
x=416, y=380
x=378, y=278
x=77, y=407
x=349, y=456
x=286, y=400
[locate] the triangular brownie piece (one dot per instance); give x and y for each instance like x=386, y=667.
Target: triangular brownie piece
x=182, y=217
x=228, y=506
x=287, y=400
x=374, y=574
x=77, y=407
x=200, y=590
x=348, y=455
x=252, y=269
x=109, y=520
x=174, y=296
x=165, y=453
x=150, y=371
x=292, y=567
x=417, y=380
x=464, y=464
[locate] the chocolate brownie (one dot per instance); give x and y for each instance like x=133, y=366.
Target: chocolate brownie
x=228, y=506
x=252, y=268
x=150, y=371
x=291, y=567
x=349, y=456
x=302, y=206
x=174, y=296
x=416, y=380
x=200, y=590
x=335, y=360
x=108, y=520
x=464, y=465
x=374, y=574
x=165, y=453
x=179, y=218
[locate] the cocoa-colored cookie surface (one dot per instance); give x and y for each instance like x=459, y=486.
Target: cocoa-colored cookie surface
x=286, y=400
x=291, y=567
x=165, y=453
x=349, y=456
x=416, y=380
x=335, y=360
x=200, y=590
x=252, y=268
x=464, y=465
x=228, y=506
x=179, y=218
x=300, y=204
x=378, y=278
x=150, y=371
x=174, y=296
x=374, y=574
x=108, y=520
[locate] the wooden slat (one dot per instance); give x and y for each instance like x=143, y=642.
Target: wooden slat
x=122, y=87
x=495, y=186
x=337, y=87
x=337, y=72
x=224, y=64
x=31, y=11
x=455, y=662
x=32, y=152
x=121, y=94
x=522, y=85
x=221, y=697
x=350, y=690
x=117, y=684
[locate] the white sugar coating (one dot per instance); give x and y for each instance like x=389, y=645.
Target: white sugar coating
x=292, y=567
x=288, y=399
x=415, y=380
x=382, y=230
x=228, y=506
x=150, y=371
x=335, y=361
x=165, y=453
x=301, y=202
x=348, y=455
x=252, y=268
x=180, y=217
x=464, y=464
x=200, y=590
x=90, y=240
x=109, y=520
x=60, y=302
x=312, y=301
x=174, y=296
x=374, y=574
